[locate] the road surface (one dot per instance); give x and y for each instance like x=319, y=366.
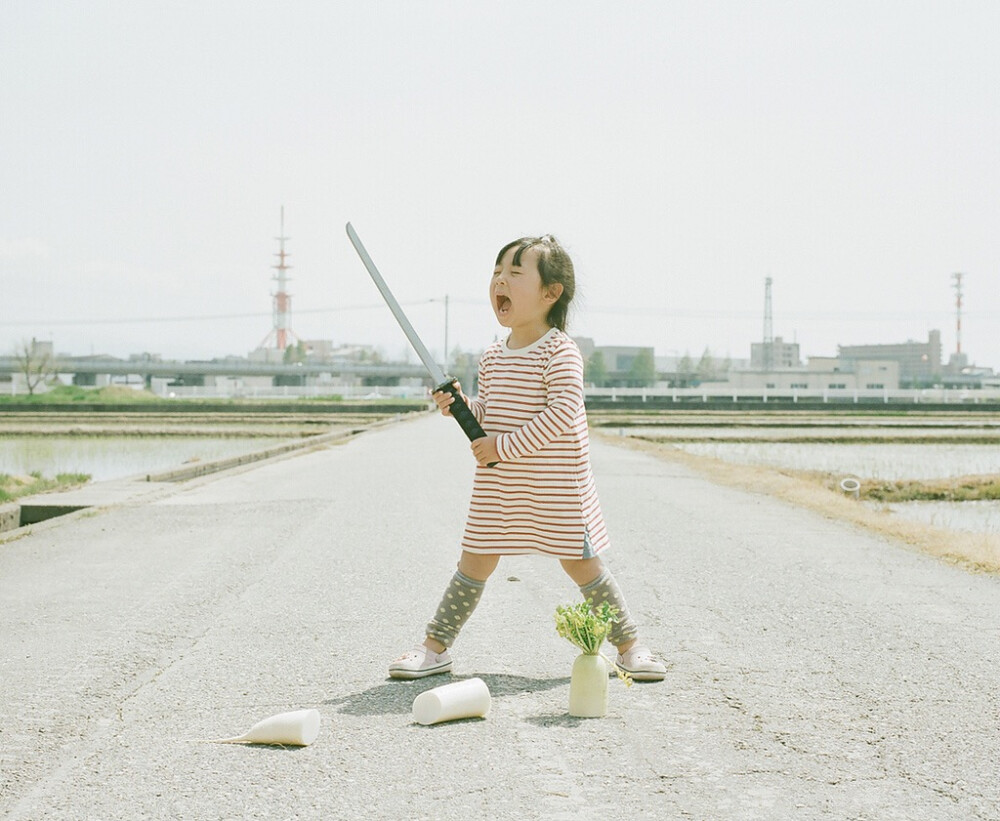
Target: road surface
x=815, y=670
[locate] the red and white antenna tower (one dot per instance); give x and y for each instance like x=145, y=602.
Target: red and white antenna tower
x=958, y=311
x=281, y=332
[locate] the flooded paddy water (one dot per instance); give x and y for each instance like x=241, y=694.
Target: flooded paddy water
x=116, y=457
x=876, y=460
x=925, y=449
x=981, y=516
x=108, y=446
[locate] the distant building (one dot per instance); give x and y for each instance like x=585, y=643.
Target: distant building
x=919, y=362
x=586, y=346
x=821, y=373
x=776, y=354
x=621, y=360
x=611, y=366
x=959, y=373
x=957, y=363
x=268, y=356
x=319, y=350
x=41, y=348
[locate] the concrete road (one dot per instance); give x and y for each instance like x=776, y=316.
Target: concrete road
x=815, y=671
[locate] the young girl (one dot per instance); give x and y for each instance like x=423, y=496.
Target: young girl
x=539, y=497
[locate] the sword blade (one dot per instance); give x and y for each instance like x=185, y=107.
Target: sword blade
x=437, y=375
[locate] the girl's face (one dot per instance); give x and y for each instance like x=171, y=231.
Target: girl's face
x=520, y=301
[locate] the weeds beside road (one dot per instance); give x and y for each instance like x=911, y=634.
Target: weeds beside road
x=14, y=487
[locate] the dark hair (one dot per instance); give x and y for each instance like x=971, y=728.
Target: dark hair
x=554, y=266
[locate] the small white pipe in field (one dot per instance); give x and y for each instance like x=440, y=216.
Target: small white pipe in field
x=851, y=486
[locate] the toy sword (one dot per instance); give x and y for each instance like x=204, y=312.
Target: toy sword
x=458, y=408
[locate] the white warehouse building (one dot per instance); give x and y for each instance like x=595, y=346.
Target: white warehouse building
x=821, y=373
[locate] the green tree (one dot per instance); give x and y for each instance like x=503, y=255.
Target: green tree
x=706, y=370
x=367, y=354
x=685, y=371
x=295, y=353
x=465, y=368
x=642, y=374
x=596, y=371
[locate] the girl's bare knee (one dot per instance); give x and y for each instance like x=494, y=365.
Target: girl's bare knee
x=583, y=571
x=477, y=566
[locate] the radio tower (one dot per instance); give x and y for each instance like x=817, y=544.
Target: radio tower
x=768, y=327
x=958, y=312
x=281, y=332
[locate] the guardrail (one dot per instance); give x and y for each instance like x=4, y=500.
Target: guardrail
x=351, y=392
x=722, y=394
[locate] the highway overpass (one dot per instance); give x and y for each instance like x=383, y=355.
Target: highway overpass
x=84, y=370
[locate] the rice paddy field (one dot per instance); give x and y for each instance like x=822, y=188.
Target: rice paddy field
x=100, y=445
x=931, y=479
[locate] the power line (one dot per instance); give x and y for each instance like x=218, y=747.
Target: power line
x=200, y=317
x=786, y=317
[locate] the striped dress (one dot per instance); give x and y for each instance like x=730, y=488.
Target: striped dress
x=541, y=497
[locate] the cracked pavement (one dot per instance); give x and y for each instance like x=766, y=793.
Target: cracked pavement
x=815, y=670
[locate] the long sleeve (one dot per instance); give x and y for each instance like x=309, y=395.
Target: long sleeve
x=541, y=496
x=563, y=379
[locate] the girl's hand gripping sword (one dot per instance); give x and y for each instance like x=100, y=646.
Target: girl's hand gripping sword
x=458, y=408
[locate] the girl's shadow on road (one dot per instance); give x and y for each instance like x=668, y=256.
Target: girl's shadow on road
x=397, y=696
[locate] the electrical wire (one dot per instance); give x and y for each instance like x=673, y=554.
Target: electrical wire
x=664, y=313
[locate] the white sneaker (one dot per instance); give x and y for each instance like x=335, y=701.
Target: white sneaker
x=420, y=662
x=641, y=664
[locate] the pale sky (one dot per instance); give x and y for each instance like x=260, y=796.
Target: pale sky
x=682, y=151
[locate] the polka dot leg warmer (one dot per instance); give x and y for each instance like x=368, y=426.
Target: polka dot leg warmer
x=460, y=599
x=605, y=589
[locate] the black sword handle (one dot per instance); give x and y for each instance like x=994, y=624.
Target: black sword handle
x=465, y=418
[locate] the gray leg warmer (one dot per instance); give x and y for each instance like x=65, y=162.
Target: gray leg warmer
x=605, y=589
x=460, y=599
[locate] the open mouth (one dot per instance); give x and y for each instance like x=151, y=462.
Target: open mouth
x=503, y=304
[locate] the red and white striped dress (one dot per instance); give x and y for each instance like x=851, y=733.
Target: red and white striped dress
x=541, y=497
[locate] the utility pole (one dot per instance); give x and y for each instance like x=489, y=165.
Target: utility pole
x=958, y=311
x=445, y=357
x=446, y=333
x=768, y=327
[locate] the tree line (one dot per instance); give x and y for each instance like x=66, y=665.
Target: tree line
x=642, y=372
